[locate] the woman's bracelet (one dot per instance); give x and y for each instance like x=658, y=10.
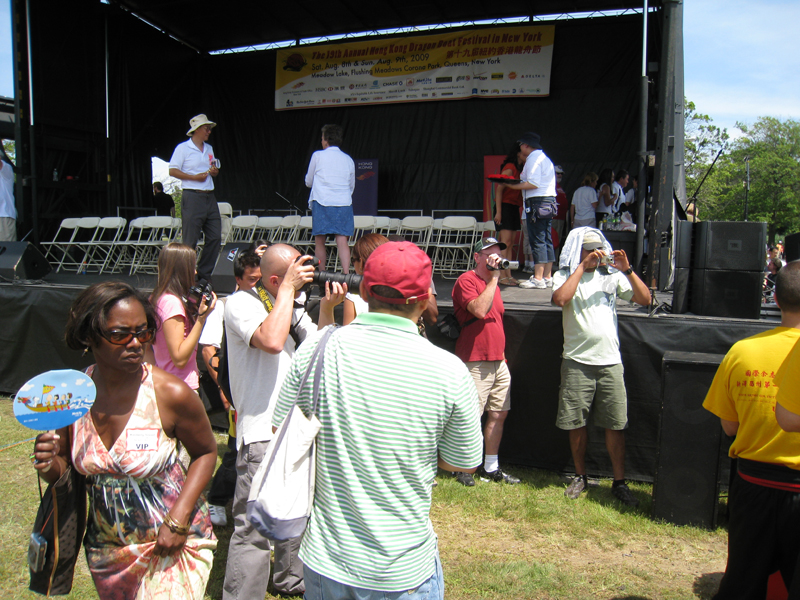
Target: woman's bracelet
x=174, y=526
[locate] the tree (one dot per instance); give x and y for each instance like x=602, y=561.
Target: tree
x=772, y=148
x=702, y=142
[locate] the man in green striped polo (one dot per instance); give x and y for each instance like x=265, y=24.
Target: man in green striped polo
x=392, y=408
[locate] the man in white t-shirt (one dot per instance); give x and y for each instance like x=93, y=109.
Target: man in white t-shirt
x=591, y=369
x=264, y=327
x=8, y=210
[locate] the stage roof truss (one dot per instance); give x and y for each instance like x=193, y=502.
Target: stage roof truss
x=252, y=25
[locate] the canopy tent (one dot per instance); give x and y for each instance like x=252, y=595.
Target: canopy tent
x=109, y=90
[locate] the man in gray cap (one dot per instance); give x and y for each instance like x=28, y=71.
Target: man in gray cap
x=538, y=187
x=591, y=369
x=194, y=163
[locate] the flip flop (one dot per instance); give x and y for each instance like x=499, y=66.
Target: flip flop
x=508, y=281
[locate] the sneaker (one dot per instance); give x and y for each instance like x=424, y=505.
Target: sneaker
x=548, y=281
x=465, y=478
x=624, y=494
x=576, y=487
x=499, y=476
x=533, y=283
x=218, y=516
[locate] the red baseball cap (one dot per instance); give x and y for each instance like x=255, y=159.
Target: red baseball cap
x=401, y=266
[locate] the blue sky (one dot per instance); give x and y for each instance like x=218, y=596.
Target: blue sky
x=742, y=58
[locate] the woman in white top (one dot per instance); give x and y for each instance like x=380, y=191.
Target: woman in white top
x=354, y=304
x=584, y=203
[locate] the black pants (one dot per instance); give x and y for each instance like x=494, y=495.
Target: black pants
x=763, y=537
x=199, y=212
x=224, y=483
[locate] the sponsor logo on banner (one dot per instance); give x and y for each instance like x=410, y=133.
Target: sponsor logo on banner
x=424, y=81
x=444, y=79
x=298, y=85
x=497, y=75
x=409, y=82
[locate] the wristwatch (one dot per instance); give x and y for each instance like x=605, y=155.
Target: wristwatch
x=628, y=271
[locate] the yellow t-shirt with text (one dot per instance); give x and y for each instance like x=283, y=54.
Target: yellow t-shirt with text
x=744, y=391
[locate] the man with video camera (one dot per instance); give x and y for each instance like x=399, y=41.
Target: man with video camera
x=481, y=345
x=264, y=328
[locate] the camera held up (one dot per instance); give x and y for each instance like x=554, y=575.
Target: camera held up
x=199, y=292
x=504, y=263
x=352, y=280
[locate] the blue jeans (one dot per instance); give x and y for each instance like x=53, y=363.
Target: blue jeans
x=541, y=240
x=319, y=587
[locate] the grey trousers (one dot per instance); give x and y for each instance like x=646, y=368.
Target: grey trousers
x=199, y=212
x=247, y=570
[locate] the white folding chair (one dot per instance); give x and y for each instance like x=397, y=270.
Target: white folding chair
x=382, y=226
x=101, y=254
x=453, y=252
x=288, y=229
x=225, y=214
x=417, y=230
x=303, y=240
x=243, y=228
x=267, y=228
x=79, y=247
x=57, y=247
x=157, y=233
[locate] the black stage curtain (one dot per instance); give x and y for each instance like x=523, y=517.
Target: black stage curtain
x=430, y=153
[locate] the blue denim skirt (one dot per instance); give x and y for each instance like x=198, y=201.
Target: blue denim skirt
x=331, y=220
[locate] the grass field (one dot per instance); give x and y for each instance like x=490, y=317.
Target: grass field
x=497, y=542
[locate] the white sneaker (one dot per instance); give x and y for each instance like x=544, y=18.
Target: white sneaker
x=548, y=281
x=218, y=516
x=533, y=283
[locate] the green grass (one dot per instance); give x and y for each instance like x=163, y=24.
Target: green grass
x=496, y=541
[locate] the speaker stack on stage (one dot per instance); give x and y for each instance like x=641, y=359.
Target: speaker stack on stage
x=720, y=268
x=692, y=456
x=791, y=247
x=21, y=261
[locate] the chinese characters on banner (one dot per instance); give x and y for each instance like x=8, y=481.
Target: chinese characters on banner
x=487, y=63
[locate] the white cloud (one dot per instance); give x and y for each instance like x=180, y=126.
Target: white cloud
x=26, y=387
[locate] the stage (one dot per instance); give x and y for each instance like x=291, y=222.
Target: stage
x=32, y=329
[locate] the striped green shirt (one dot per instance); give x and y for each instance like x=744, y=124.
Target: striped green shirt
x=390, y=401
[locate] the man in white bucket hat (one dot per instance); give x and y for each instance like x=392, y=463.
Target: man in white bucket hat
x=194, y=163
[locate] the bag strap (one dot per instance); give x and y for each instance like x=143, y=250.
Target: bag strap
x=317, y=358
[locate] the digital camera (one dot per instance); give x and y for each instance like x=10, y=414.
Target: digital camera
x=201, y=291
x=352, y=280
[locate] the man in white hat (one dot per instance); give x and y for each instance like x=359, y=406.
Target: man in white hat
x=591, y=370
x=193, y=162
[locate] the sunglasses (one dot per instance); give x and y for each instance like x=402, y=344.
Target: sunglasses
x=120, y=337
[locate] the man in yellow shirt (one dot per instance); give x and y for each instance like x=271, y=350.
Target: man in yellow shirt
x=764, y=499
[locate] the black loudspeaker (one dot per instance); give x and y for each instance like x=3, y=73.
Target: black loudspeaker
x=684, y=244
x=222, y=278
x=688, y=464
x=734, y=294
x=681, y=290
x=21, y=260
x=730, y=246
x=791, y=247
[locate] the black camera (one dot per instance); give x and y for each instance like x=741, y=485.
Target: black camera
x=352, y=280
x=199, y=292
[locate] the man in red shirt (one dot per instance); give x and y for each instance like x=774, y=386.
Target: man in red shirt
x=479, y=309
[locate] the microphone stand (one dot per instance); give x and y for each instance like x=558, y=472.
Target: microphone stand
x=288, y=202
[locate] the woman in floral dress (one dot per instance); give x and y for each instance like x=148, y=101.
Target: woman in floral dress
x=149, y=536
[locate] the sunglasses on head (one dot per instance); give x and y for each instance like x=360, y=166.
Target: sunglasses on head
x=120, y=337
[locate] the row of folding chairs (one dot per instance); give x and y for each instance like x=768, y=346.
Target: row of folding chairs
x=449, y=241
x=110, y=244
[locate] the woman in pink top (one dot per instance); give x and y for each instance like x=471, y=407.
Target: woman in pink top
x=175, y=347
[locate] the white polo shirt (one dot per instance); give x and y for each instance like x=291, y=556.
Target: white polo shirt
x=191, y=160
x=332, y=177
